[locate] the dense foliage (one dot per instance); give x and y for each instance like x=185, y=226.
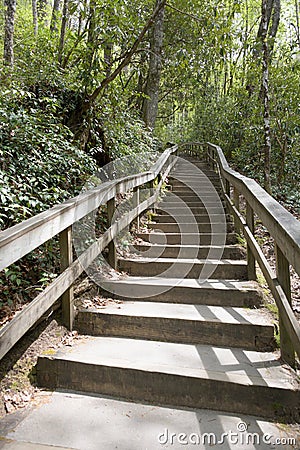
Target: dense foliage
x=89, y=64
x=83, y=83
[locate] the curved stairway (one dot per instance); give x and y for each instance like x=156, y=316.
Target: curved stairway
x=176, y=339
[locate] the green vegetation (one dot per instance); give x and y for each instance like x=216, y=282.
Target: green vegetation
x=85, y=83
x=93, y=79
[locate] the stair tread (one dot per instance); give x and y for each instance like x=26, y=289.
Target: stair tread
x=200, y=313
x=218, y=284
x=231, y=365
x=156, y=232
x=191, y=246
x=233, y=262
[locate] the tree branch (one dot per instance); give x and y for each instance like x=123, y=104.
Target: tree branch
x=185, y=13
x=126, y=60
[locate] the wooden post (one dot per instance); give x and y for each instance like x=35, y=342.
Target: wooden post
x=250, y=256
x=66, y=259
x=112, y=254
x=207, y=154
x=155, y=183
x=210, y=159
x=236, y=201
x=283, y=276
x=136, y=193
x=227, y=187
x=214, y=166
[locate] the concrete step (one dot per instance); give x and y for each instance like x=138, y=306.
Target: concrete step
x=71, y=420
x=197, y=190
x=209, y=199
x=190, y=227
x=186, y=185
x=185, y=375
x=185, y=268
x=202, y=178
x=231, y=293
x=188, y=251
x=191, y=207
x=191, y=198
x=194, y=200
x=199, y=218
x=196, y=177
x=189, y=324
x=187, y=238
x=183, y=209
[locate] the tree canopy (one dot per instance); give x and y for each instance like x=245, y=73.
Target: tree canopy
x=118, y=77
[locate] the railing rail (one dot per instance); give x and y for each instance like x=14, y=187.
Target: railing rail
x=282, y=226
x=22, y=238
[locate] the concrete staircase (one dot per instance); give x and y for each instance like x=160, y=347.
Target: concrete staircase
x=176, y=339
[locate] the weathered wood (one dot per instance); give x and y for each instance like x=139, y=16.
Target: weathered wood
x=285, y=310
x=236, y=201
x=66, y=259
x=250, y=256
x=281, y=224
x=112, y=253
x=24, y=237
x=227, y=187
x=283, y=276
x=23, y=321
x=136, y=198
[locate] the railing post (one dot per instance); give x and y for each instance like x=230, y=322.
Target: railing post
x=112, y=255
x=250, y=256
x=236, y=201
x=227, y=188
x=136, y=202
x=155, y=183
x=283, y=276
x=207, y=154
x=66, y=259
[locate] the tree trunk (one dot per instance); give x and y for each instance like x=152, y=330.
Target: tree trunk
x=297, y=8
x=275, y=23
x=54, y=17
x=270, y=22
x=108, y=47
x=265, y=97
x=34, y=17
x=265, y=20
x=42, y=9
x=150, y=104
x=10, y=12
x=63, y=29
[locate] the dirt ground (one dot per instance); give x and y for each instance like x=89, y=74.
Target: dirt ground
x=17, y=370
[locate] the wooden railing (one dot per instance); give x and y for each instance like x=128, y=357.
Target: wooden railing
x=22, y=238
x=282, y=226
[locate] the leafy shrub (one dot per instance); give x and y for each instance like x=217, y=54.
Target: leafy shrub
x=39, y=166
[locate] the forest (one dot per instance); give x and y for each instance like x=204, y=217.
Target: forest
x=83, y=82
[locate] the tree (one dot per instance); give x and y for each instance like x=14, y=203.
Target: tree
x=126, y=57
x=265, y=95
x=54, y=16
x=10, y=11
x=34, y=17
x=150, y=103
x=63, y=29
x=270, y=22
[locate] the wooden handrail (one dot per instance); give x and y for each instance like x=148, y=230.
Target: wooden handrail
x=22, y=238
x=282, y=226
x=33, y=232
